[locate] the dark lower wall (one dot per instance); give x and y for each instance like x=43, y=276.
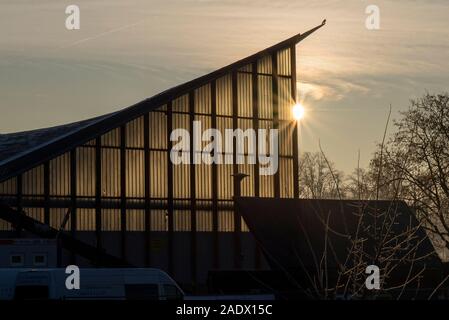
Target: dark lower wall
x=182, y=257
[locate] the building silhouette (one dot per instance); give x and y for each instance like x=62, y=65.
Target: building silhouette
x=127, y=203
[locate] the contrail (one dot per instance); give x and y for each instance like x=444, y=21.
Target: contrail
x=102, y=34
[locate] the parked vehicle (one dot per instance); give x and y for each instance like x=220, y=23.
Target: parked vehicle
x=95, y=284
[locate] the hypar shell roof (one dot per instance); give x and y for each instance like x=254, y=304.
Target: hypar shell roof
x=24, y=150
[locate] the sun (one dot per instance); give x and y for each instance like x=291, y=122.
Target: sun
x=298, y=111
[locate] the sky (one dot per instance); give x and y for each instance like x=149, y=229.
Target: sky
x=126, y=51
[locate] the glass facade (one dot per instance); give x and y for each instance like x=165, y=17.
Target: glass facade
x=123, y=180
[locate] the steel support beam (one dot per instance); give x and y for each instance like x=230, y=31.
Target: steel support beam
x=256, y=179
x=146, y=142
x=170, y=189
x=235, y=170
x=193, y=244
x=216, y=260
x=275, y=85
x=98, y=193
x=73, y=202
x=123, y=191
x=47, y=192
x=295, y=139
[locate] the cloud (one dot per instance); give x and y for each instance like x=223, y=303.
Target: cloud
x=334, y=90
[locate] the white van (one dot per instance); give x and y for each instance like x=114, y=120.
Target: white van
x=95, y=284
x=7, y=283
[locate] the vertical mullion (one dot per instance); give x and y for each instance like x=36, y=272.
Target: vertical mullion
x=255, y=85
x=235, y=169
x=98, y=222
x=193, y=250
x=170, y=189
x=73, y=186
x=275, y=85
x=19, y=193
x=19, y=200
x=295, y=139
x=123, y=190
x=214, y=182
x=147, y=189
x=47, y=193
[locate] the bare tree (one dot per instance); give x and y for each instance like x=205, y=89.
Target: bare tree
x=413, y=165
x=360, y=185
x=315, y=177
x=376, y=239
x=418, y=152
x=387, y=236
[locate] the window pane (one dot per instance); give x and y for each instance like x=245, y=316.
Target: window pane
x=158, y=174
x=286, y=138
x=285, y=101
x=110, y=220
x=225, y=221
x=245, y=95
x=135, y=220
x=247, y=184
x=224, y=95
x=35, y=213
x=111, y=139
x=204, y=221
x=135, y=173
x=181, y=104
x=134, y=133
x=181, y=181
x=57, y=217
x=203, y=99
x=60, y=175
x=159, y=220
x=225, y=182
x=284, y=62
x=33, y=181
x=85, y=171
x=203, y=183
x=85, y=219
x=264, y=65
x=265, y=97
x=158, y=130
x=286, y=177
x=8, y=187
x=182, y=220
x=244, y=226
x=247, y=68
x=266, y=186
x=110, y=172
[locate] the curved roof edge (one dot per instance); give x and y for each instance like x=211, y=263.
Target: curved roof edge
x=86, y=130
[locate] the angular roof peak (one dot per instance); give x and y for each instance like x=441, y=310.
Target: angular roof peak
x=23, y=150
